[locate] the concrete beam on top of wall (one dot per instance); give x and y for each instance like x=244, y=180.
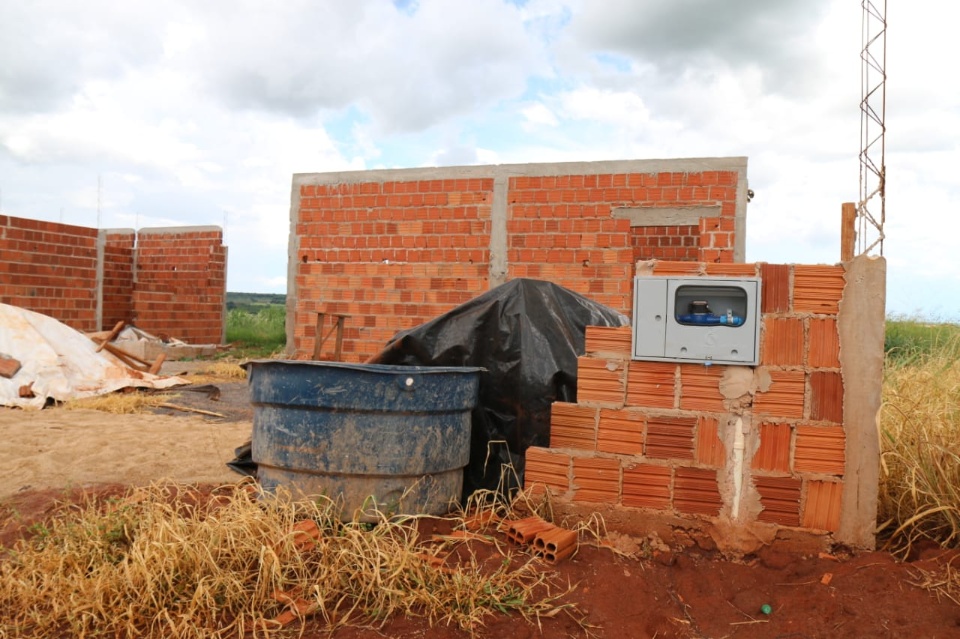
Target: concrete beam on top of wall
x=174, y=230
x=501, y=174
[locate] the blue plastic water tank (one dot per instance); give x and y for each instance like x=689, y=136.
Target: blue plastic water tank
x=392, y=437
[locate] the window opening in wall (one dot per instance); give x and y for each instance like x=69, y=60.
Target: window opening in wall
x=710, y=306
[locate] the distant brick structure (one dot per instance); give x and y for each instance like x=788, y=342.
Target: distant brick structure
x=181, y=282
x=392, y=249
x=168, y=280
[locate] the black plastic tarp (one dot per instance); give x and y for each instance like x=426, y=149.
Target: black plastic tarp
x=527, y=335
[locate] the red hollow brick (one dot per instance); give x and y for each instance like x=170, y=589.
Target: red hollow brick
x=824, y=350
x=601, y=380
x=820, y=449
x=780, y=498
x=646, y=486
x=608, y=340
x=573, y=426
x=670, y=437
x=821, y=509
x=817, y=289
x=700, y=387
x=543, y=466
x=826, y=396
x=775, y=284
x=784, y=397
x=773, y=454
x=710, y=448
x=596, y=480
x=782, y=342
x=620, y=431
x=651, y=384
x=696, y=491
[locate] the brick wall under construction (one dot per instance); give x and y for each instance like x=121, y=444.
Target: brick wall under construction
x=790, y=444
x=165, y=280
x=392, y=249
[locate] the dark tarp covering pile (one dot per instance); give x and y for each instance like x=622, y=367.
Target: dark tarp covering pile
x=527, y=335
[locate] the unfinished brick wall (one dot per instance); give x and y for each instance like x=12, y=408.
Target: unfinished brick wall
x=790, y=443
x=50, y=268
x=393, y=249
x=180, y=283
x=118, y=268
x=167, y=280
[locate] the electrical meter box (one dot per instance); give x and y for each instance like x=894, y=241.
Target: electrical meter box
x=696, y=319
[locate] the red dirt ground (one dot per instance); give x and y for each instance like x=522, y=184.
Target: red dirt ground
x=677, y=594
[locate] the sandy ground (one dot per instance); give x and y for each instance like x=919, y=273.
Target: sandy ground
x=56, y=448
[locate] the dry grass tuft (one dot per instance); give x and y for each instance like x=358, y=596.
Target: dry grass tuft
x=920, y=450
x=160, y=562
x=119, y=403
x=220, y=369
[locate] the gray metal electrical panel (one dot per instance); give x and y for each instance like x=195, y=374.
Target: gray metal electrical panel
x=696, y=319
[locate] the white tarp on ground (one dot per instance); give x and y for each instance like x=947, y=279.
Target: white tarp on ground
x=62, y=363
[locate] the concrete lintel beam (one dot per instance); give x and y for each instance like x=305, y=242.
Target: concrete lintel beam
x=666, y=216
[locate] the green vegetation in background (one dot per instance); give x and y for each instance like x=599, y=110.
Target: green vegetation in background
x=253, y=302
x=909, y=339
x=259, y=334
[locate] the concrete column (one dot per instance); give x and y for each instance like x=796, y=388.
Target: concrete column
x=101, y=256
x=499, y=268
x=861, y=324
x=293, y=259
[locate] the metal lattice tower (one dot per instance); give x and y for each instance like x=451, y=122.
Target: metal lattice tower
x=871, y=210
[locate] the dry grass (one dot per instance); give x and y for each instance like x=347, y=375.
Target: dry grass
x=944, y=581
x=158, y=562
x=219, y=370
x=920, y=449
x=119, y=403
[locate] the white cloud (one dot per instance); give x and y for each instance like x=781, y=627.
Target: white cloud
x=190, y=113
x=538, y=114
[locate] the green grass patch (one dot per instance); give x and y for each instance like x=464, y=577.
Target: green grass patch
x=910, y=340
x=257, y=334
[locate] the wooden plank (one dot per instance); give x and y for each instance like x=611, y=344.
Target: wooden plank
x=187, y=409
x=126, y=358
x=112, y=335
x=155, y=368
x=848, y=231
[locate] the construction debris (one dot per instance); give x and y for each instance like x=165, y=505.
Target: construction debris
x=134, y=362
x=8, y=366
x=550, y=542
x=58, y=363
x=145, y=348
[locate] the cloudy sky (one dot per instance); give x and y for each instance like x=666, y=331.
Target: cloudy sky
x=135, y=114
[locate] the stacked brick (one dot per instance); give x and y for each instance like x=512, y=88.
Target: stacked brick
x=661, y=435
x=50, y=268
x=394, y=252
x=180, y=286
